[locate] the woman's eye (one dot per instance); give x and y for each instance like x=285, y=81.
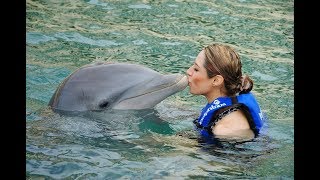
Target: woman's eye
x=195, y=69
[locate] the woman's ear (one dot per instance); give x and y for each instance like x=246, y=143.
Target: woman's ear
x=217, y=80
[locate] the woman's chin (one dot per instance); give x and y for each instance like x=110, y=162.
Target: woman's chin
x=191, y=91
x=194, y=93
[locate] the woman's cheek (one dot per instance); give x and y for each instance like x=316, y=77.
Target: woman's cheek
x=194, y=86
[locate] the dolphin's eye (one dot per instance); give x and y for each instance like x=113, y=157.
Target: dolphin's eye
x=104, y=104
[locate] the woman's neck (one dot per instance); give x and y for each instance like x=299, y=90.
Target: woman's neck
x=214, y=95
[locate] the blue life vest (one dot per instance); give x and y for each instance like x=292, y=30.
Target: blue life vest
x=246, y=102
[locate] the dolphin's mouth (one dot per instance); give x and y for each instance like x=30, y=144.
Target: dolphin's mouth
x=135, y=100
x=180, y=83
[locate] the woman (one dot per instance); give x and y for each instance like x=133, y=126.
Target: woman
x=232, y=110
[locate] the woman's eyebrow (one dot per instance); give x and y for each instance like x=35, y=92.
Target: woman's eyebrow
x=196, y=64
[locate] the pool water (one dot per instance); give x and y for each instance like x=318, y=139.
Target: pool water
x=166, y=36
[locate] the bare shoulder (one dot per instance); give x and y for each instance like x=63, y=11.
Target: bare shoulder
x=233, y=124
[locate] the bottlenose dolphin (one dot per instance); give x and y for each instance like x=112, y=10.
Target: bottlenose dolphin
x=101, y=86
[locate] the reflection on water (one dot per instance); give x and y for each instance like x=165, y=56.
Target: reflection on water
x=165, y=36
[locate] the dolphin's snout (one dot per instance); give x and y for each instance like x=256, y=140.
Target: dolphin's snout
x=183, y=81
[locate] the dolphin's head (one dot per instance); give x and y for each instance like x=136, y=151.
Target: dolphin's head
x=115, y=86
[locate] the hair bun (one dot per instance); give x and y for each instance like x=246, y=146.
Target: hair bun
x=246, y=84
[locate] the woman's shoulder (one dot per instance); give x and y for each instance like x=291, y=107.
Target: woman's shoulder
x=233, y=123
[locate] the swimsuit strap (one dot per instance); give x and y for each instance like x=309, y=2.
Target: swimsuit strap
x=219, y=116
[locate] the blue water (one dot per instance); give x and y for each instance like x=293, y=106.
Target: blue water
x=165, y=36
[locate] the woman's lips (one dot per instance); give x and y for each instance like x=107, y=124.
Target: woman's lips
x=189, y=83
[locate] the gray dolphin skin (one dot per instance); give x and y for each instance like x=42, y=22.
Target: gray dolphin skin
x=102, y=86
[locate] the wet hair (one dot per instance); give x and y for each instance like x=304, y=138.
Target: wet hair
x=223, y=60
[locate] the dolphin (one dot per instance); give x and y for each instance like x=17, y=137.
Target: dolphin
x=102, y=86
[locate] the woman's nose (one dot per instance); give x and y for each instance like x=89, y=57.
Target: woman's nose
x=189, y=72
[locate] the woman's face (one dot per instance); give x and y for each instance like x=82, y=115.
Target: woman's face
x=199, y=82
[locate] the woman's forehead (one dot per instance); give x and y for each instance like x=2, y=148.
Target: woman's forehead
x=200, y=58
